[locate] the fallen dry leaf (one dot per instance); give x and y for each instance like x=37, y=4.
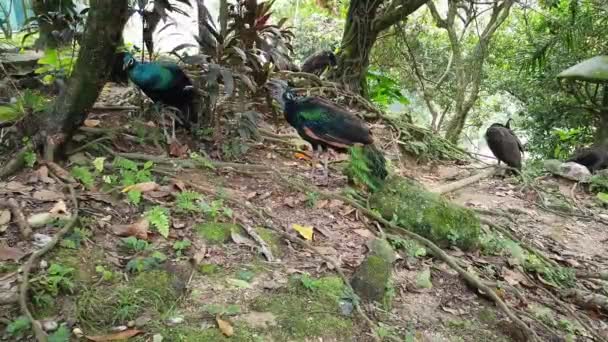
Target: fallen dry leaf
x=141, y=187
x=59, y=208
x=224, y=326
x=5, y=216
x=10, y=253
x=47, y=195
x=181, y=186
x=305, y=231
x=60, y=172
x=40, y=219
x=138, y=229
x=364, y=232
x=177, y=150
x=512, y=277
x=301, y=156
x=17, y=187
x=199, y=255
x=91, y=123
x=321, y=204
x=123, y=335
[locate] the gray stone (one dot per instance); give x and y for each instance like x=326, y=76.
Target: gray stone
x=569, y=170
x=49, y=325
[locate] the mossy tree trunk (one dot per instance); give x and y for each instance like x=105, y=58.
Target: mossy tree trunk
x=103, y=34
x=365, y=21
x=601, y=133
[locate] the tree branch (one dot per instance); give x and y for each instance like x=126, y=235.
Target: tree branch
x=398, y=10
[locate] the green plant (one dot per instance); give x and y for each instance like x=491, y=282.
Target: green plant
x=180, y=246
x=106, y=275
x=411, y=247
x=131, y=174
x=187, y=201
x=383, y=90
x=19, y=326
x=312, y=198
x=84, y=175
x=55, y=64
x=47, y=286
x=159, y=219
x=30, y=101
x=30, y=158
x=75, y=238
x=141, y=264
x=60, y=335
x=216, y=209
x=134, y=244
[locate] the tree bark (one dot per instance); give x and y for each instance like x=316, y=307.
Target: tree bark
x=103, y=34
x=365, y=21
x=601, y=133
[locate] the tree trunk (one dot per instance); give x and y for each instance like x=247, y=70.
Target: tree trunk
x=357, y=42
x=103, y=33
x=365, y=21
x=601, y=133
x=45, y=35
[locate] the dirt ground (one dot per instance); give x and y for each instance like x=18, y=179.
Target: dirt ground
x=220, y=284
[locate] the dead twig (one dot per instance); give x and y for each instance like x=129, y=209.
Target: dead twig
x=41, y=336
x=264, y=249
x=24, y=227
x=450, y=187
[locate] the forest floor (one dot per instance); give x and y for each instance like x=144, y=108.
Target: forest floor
x=207, y=278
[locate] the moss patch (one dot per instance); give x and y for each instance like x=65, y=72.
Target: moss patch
x=272, y=239
x=426, y=213
x=103, y=307
x=242, y=333
x=82, y=260
x=209, y=269
x=309, y=308
x=216, y=232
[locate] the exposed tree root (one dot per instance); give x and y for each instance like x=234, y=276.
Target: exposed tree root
x=450, y=187
x=24, y=227
x=587, y=300
x=592, y=275
x=41, y=336
x=16, y=163
x=470, y=278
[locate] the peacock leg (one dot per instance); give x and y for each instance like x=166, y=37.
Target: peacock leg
x=326, y=168
x=313, y=162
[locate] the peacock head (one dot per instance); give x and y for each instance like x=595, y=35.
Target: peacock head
x=280, y=91
x=128, y=61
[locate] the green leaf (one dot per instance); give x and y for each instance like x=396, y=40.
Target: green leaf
x=602, y=196
x=239, y=283
x=61, y=335
x=159, y=218
x=98, y=163
x=8, y=113
x=134, y=196
x=83, y=175
x=29, y=158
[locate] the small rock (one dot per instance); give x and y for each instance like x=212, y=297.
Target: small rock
x=77, y=332
x=569, y=170
x=43, y=264
x=131, y=324
x=141, y=321
x=119, y=328
x=49, y=325
x=157, y=338
x=41, y=240
x=175, y=320
x=346, y=307
x=259, y=319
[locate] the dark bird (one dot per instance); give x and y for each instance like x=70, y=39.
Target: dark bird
x=318, y=62
x=325, y=125
x=504, y=144
x=594, y=158
x=163, y=83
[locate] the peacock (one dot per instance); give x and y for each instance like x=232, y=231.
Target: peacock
x=318, y=62
x=325, y=125
x=163, y=83
x=504, y=144
x=594, y=158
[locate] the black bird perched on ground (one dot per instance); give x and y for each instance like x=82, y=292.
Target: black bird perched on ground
x=594, y=158
x=163, y=83
x=318, y=62
x=325, y=125
x=504, y=144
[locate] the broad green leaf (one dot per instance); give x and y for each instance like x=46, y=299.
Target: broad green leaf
x=602, y=196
